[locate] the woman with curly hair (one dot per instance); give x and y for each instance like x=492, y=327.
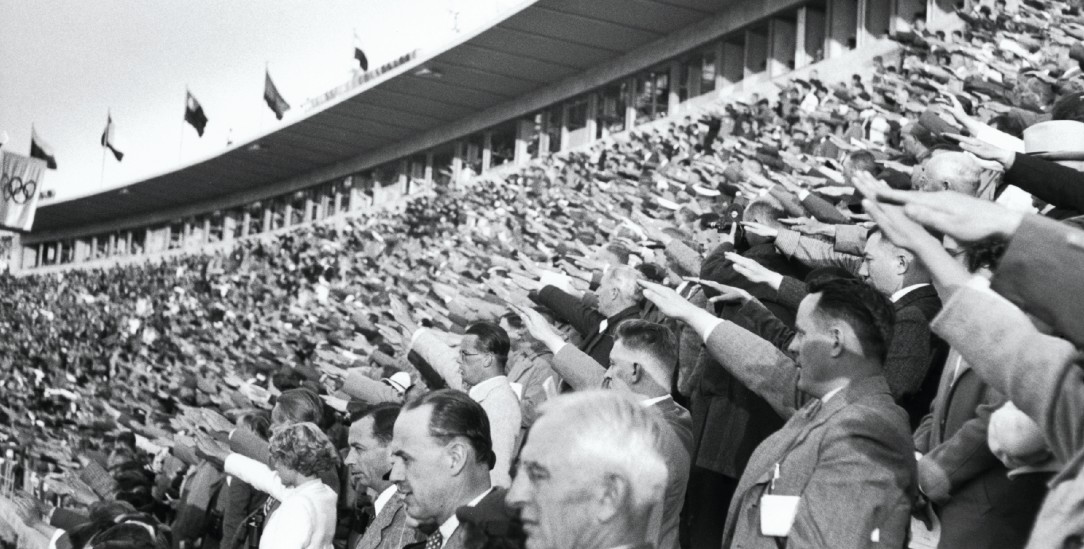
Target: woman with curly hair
x=306, y=517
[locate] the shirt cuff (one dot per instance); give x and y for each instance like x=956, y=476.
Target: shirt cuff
x=706, y=325
x=415, y=336
x=803, y=194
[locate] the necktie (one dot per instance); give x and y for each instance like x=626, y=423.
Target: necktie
x=434, y=540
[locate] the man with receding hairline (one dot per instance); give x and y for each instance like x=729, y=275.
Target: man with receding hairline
x=841, y=470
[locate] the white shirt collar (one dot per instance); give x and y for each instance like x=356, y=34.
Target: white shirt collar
x=904, y=291
x=480, y=391
x=653, y=401
x=449, y=526
x=832, y=393
x=384, y=498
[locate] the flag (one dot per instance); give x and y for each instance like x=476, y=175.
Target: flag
x=193, y=113
x=107, y=138
x=41, y=149
x=360, y=55
x=20, y=179
x=273, y=98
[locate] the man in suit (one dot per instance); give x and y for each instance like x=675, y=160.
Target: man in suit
x=915, y=356
x=977, y=502
x=849, y=429
x=370, y=464
x=618, y=299
x=592, y=473
x=483, y=359
x=441, y=458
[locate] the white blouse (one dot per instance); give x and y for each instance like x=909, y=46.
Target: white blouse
x=306, y=517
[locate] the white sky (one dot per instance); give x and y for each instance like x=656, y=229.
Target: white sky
x=64, y=63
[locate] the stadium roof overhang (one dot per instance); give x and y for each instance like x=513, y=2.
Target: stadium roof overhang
x=536, y=45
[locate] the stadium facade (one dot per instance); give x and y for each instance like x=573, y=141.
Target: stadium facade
x=545, y=77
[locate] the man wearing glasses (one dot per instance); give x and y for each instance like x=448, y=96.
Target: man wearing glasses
x=483, y=358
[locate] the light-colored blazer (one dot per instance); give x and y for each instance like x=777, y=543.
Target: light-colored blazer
x=389, y=529
x=306, y=517
x=851, y=459
x=505, y=418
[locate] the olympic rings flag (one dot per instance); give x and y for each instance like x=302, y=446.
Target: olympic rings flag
x=20, y=181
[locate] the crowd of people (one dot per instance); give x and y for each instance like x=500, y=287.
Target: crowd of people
x=839, y=317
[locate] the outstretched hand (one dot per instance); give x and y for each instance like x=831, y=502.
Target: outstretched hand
x=669, y=302
x=754, y=272
x=727, y=294
x=964, y=218
x=760, y=229
x=539, y=327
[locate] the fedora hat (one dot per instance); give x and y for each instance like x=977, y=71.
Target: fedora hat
x=1055, y=140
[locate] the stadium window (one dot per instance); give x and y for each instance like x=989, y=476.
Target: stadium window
x=612, y=106
x=176, y=236
x=553, y=128
x=442, y=164
x=502, y=144
x=577, y=114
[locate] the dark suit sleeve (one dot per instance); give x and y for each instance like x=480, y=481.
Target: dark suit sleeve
x=570, y=309
x=762, y=368
x=250, y=445
x=822, y=210
x=908, y=356
x=1040, y=272
x=1053, y=183
x=791, y=292
x=962, y=457
x=756, y=318
x=790, y=202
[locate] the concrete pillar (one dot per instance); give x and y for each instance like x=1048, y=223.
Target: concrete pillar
x=782, y=39
x=309, y=213
x=268, y=217
x=112, y=251
x=524, y=135
x=457, y=162
x=673, y=99
x=592, y=117
x=404, y=176
x=338, y=202
x=40, y=259
x=564, y=127
x=128, y=243
x=246, y=221
x=630, y=102
x=720, y=76
x=229, y=225
x=206, y=230
x=428, y=173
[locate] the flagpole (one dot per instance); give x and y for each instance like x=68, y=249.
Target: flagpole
x=180, y=147
x=101, y=181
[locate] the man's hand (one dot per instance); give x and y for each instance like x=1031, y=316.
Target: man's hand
x=810, y=226
x=400, y=311
x=760, y=229
x=28, y=508
x=669, y=302
x=727, y=294
x=984, y=150
x=540, y=328
x=755, y=272
x=210, y=449
x=898, y=228
x=962, y=217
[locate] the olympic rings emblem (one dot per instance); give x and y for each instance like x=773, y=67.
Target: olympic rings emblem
x=17, y=190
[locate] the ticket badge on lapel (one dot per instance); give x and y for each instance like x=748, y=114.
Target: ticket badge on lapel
x=777, y=512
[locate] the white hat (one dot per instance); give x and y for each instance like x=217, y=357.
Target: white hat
x=400, y=381
x=1056, y=139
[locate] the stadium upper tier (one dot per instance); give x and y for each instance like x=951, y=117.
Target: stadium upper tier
x=547, y=76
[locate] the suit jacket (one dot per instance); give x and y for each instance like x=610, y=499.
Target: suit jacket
x=388, y=530
x=678, y=447
x=1040, y=273
x=979, y=505
x=915, y=355
x=530, y=367
x=1042, y=376
x=860, y=433
x=505, y=418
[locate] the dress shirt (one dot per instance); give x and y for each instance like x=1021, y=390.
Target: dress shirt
x=383, y=499
x=647, y=403
x=898, y=295
x=824, y=399
x=478, y=392
x=450, y=525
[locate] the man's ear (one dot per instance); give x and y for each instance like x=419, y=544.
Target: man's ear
x=902, y=264
x=637, y=371
x=456, y=455
x=614, y=495
x=837, y=341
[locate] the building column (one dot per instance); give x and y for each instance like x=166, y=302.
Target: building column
x=112, y=251
x=524, y=131
x=268, y=217
x=457, y=163
x=229, y=225
x=592, y=117
x=246, y=221
x=673, y=99
x=128, y=242
x=206, y=230
x=428, y=173
x=861, y=17
x=404, y=177
x=310, y=210
x=544, y=136
x=564, y=127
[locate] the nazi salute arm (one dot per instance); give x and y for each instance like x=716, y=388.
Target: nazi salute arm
x=755, y=362
x=574, y=366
